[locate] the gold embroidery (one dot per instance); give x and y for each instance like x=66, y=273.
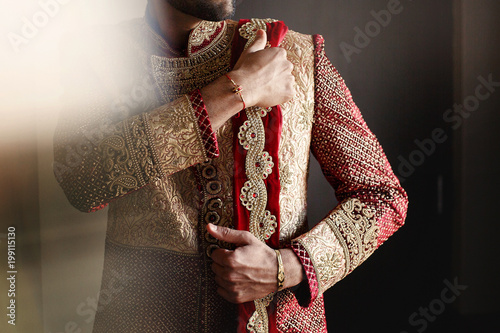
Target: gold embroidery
x=259, y=321
x=224, y=165
x=296, y=137
x=258, y=166
x=165, y=214
x=341, y=242
x=177, y=135
x=356, y=229
x=177, y=76
x=249, y=29
x=213, y=208
x=128, y=156
x=170, y=220
x=203, y=32
x=326, y=254
x=162, y=215
x=285, y=177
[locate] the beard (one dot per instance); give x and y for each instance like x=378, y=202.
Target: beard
x=206, y=10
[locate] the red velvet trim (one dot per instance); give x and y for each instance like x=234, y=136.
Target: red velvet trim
x=207, y=134
x=273, y=125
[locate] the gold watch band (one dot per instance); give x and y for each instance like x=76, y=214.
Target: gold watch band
x=281, y=271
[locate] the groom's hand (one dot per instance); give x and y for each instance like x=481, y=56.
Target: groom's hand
x=250, y=271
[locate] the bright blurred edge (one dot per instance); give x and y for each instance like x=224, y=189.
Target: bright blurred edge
x=71, y=244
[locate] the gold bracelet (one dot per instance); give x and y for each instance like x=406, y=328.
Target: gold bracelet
x=281, y=271
x=237, y=90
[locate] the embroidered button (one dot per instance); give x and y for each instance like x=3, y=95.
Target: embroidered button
x=214, y=204
x=214, y=187
x=211, y=249
x=211, y=239
x=212, y=217
x=209, y=172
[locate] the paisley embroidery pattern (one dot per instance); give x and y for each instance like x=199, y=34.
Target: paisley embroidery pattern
x=203, y=33
x=356, y=229
x=296, y=138
x=249, y=30
x=259, y=322
x=254, y=197
x=258, y=166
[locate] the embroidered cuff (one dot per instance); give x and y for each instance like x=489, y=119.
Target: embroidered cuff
x=326, y=255
x=208, y=135
x=312, y=280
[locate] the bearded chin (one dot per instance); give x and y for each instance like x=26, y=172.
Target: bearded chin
x=205, y=9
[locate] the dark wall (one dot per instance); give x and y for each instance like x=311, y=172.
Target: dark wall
x=403, y=81
x=479, y=51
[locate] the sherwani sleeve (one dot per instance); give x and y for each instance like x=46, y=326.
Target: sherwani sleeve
x=99, y=157
x=372, y=202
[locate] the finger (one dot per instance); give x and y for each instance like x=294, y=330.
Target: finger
x=237, y=237
x=218, y=269
x=224, y=284
x=231, y=296
x=220, y=282
x=221, y=256
x=226, y=295
x=259, y=43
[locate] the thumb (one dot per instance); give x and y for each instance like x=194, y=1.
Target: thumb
x=259, y=43
x=237, y=237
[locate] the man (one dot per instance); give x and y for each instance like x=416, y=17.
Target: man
x=196, y=132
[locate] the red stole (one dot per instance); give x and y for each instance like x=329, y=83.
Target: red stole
x=273, y=125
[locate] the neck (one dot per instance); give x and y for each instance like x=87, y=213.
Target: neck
x=174, y=25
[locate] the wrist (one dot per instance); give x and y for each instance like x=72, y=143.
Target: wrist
x=241, y=79
x=294, y=272
x=237, y=90
x=221, y=103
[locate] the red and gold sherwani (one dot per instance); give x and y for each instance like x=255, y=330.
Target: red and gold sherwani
x=136, y=137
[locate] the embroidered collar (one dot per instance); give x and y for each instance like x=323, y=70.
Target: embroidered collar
x=201, y=39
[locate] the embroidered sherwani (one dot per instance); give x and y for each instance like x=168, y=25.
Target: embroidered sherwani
x=136, y=137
